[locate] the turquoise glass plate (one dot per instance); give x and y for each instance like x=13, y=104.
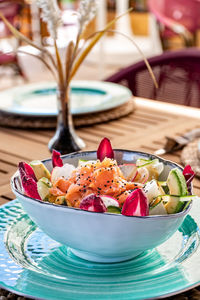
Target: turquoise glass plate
x=39, y=99
x=34, y=265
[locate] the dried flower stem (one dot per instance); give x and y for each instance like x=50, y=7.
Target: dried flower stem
x=142, y=54
x=22, y=37
x=93, y=42
x=137, y=47
x=59, y=67
x=69, y=54
x=41, y=59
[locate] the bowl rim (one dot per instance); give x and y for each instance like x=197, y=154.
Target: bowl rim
x=71, y=155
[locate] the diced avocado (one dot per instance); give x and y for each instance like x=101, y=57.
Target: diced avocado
x=114, y=209
x=46, y=181
x=50, y=198
x=177, y=183
x=43, y=186
x=157, y=207
x=60, y=200
x=39, y=169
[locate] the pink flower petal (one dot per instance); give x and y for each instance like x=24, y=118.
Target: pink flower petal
x=105, y=150
x=56, y=159
x=136, y=204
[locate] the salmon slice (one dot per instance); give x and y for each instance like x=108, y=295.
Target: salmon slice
x=73, y=195
x=63, y=184
x=103, y=178
x=122, y=198
x=56, y=192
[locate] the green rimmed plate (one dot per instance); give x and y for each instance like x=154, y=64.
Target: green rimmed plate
x=39, y=99
x=34, y=265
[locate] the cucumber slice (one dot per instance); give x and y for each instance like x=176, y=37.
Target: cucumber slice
x=177, y=183
x=188, y=198
x=143, y=162
x=113, y=209
x=157, y=207
x=83, y=162
x=154, y=167
x=39, y=169
x=152, y=190
x=186, y=205
x=163, y=185
x=166, y=198
x=174, y=205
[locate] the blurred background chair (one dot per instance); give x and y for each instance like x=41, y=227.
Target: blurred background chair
x=8, y=44
x=109, y=52
x=177, y=74
x=179, y=17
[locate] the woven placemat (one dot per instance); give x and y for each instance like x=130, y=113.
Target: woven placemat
x=11, y=120
x=191, y=156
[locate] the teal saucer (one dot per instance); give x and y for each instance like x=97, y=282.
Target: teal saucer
x=33, y=265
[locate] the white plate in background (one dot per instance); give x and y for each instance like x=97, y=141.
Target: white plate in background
x=39, y=99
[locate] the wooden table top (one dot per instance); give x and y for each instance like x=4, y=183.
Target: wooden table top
x=145, y=129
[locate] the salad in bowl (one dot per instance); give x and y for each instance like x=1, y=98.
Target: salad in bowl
x=106, y=205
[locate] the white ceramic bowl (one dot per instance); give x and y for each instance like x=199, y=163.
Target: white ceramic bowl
x=100, y=237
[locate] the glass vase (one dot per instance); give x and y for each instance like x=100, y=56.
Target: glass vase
x=65, y=139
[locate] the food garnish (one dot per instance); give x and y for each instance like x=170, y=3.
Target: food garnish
x=105, y=150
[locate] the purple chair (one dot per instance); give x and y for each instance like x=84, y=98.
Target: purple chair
x=177, y=16
x=10, y=9
x=177, y=74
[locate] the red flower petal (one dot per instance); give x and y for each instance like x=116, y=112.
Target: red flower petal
x=136, y=204
x=105, y=150
x=56, y=159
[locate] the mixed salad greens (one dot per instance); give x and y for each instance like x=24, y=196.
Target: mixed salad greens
x=103, y=185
